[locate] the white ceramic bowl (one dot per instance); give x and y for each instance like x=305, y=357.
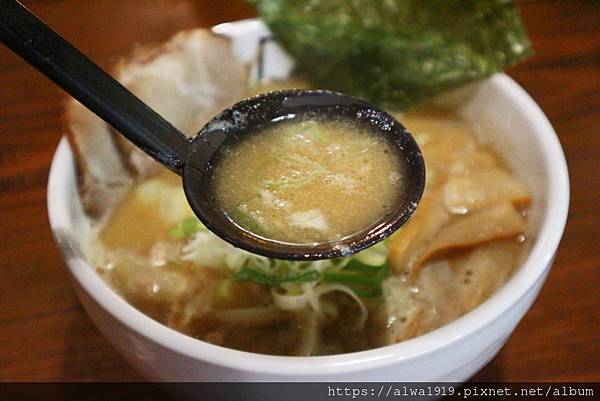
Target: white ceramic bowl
x=511, y=121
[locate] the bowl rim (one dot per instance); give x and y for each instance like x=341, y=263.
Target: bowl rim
x=525, y=277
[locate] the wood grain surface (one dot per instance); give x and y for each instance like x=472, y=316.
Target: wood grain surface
x=46, y=335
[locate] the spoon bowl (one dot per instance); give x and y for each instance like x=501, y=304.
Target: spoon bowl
x=243, y=118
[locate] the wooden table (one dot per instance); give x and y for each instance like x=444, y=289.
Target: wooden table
x=46, y=335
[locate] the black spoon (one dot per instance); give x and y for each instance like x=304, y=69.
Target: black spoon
x=193, y=159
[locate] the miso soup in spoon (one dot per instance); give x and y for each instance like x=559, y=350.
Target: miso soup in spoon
x=309, y=180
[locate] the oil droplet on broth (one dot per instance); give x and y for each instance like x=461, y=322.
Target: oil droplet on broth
x=309, y=180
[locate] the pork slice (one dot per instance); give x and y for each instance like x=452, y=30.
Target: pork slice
x=186, y=79
x=102, y=175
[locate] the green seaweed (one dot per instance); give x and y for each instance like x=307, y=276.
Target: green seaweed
x=397, y=53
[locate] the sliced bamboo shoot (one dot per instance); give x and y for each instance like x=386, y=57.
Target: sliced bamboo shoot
x=484, y=189
x=498, y=222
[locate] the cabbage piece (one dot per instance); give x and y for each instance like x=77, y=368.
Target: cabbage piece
x=498, y=222
x=168, y=199
x=397, y=52
x=361, y=273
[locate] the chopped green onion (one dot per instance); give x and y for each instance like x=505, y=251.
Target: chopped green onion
x=260, y=277
x=186, y=228
x=363, y=279
x=368, y=293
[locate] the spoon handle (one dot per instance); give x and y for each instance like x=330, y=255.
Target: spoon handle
x=53, y=56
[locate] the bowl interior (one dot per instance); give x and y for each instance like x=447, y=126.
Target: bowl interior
x=505, y=116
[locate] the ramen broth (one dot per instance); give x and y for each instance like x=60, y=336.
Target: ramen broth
x=462, y=243
x=309, y=180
